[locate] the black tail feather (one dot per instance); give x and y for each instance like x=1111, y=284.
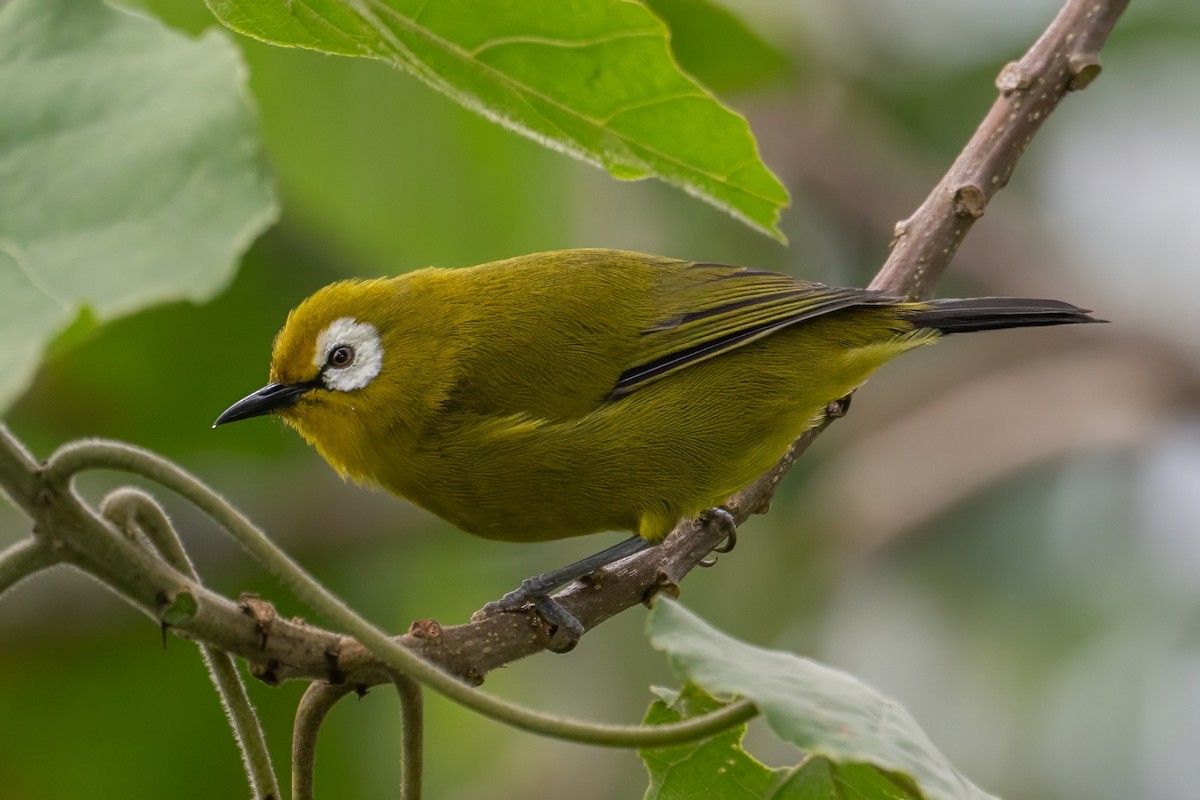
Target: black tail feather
x=991, y=313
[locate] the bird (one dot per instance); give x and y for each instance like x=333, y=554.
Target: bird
x=571, y=392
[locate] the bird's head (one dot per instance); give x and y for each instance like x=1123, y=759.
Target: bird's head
x=330, y=368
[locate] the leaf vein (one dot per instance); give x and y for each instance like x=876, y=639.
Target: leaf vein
x=650, y=101
x=549, y=41
x=18, y=256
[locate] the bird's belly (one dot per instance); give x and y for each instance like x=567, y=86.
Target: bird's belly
x=640, y=469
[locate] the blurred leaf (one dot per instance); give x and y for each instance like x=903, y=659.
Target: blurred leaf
x=129, y=170
x=716, y=47
x=594, y=78
x=824, y=711
x=714, y=767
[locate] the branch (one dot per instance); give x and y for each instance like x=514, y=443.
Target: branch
x=19, y=473
x=23, y=559
x=314, y=706
x=310, y=715
x=412, y=741
x=1064, y=59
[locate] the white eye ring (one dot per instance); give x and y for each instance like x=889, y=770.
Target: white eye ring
x=366, y=354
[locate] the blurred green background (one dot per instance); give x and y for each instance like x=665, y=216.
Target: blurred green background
x=1004, y=534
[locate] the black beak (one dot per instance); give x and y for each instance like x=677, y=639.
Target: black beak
x=271, y=397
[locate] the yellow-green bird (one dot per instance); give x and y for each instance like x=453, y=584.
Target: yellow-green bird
x=565, y=393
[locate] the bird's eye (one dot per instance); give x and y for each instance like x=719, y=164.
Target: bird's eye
x=341, y=356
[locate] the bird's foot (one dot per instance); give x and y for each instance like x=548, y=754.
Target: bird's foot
x=726, y=524
x=565, y=629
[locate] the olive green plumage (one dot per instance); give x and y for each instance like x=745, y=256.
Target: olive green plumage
x=565, y=393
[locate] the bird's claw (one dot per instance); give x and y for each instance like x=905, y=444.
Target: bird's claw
x=528, y=592
x=565, y=629
x=726, y=524
x=839, y=408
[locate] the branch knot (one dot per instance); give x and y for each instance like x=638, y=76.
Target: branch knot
x=1012, y=78
x=1085, y=68
x=969, y=201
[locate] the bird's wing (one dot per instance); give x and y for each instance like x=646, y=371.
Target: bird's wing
x=711, y=309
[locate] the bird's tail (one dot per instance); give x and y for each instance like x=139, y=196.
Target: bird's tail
x=991, y=313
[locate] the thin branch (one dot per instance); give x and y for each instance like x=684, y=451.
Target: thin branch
x=243, y=719
x=314, y=706
x=412, y=741
x=19, y=473
x=23, y=559
x=136, y=512
x=1064, y=59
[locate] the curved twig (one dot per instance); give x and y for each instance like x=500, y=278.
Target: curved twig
x=137, y=513
x=23, y=559
x=314, y=706
x=19, y=473
x=412, y=741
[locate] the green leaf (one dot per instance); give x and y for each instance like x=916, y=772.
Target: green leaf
x=130, y=172
x=593, y=78
x=824, y=711
x=714, y=767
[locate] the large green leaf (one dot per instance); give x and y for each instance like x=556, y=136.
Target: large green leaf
x=594, y=78
x=130, y=172
x=867, y=738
